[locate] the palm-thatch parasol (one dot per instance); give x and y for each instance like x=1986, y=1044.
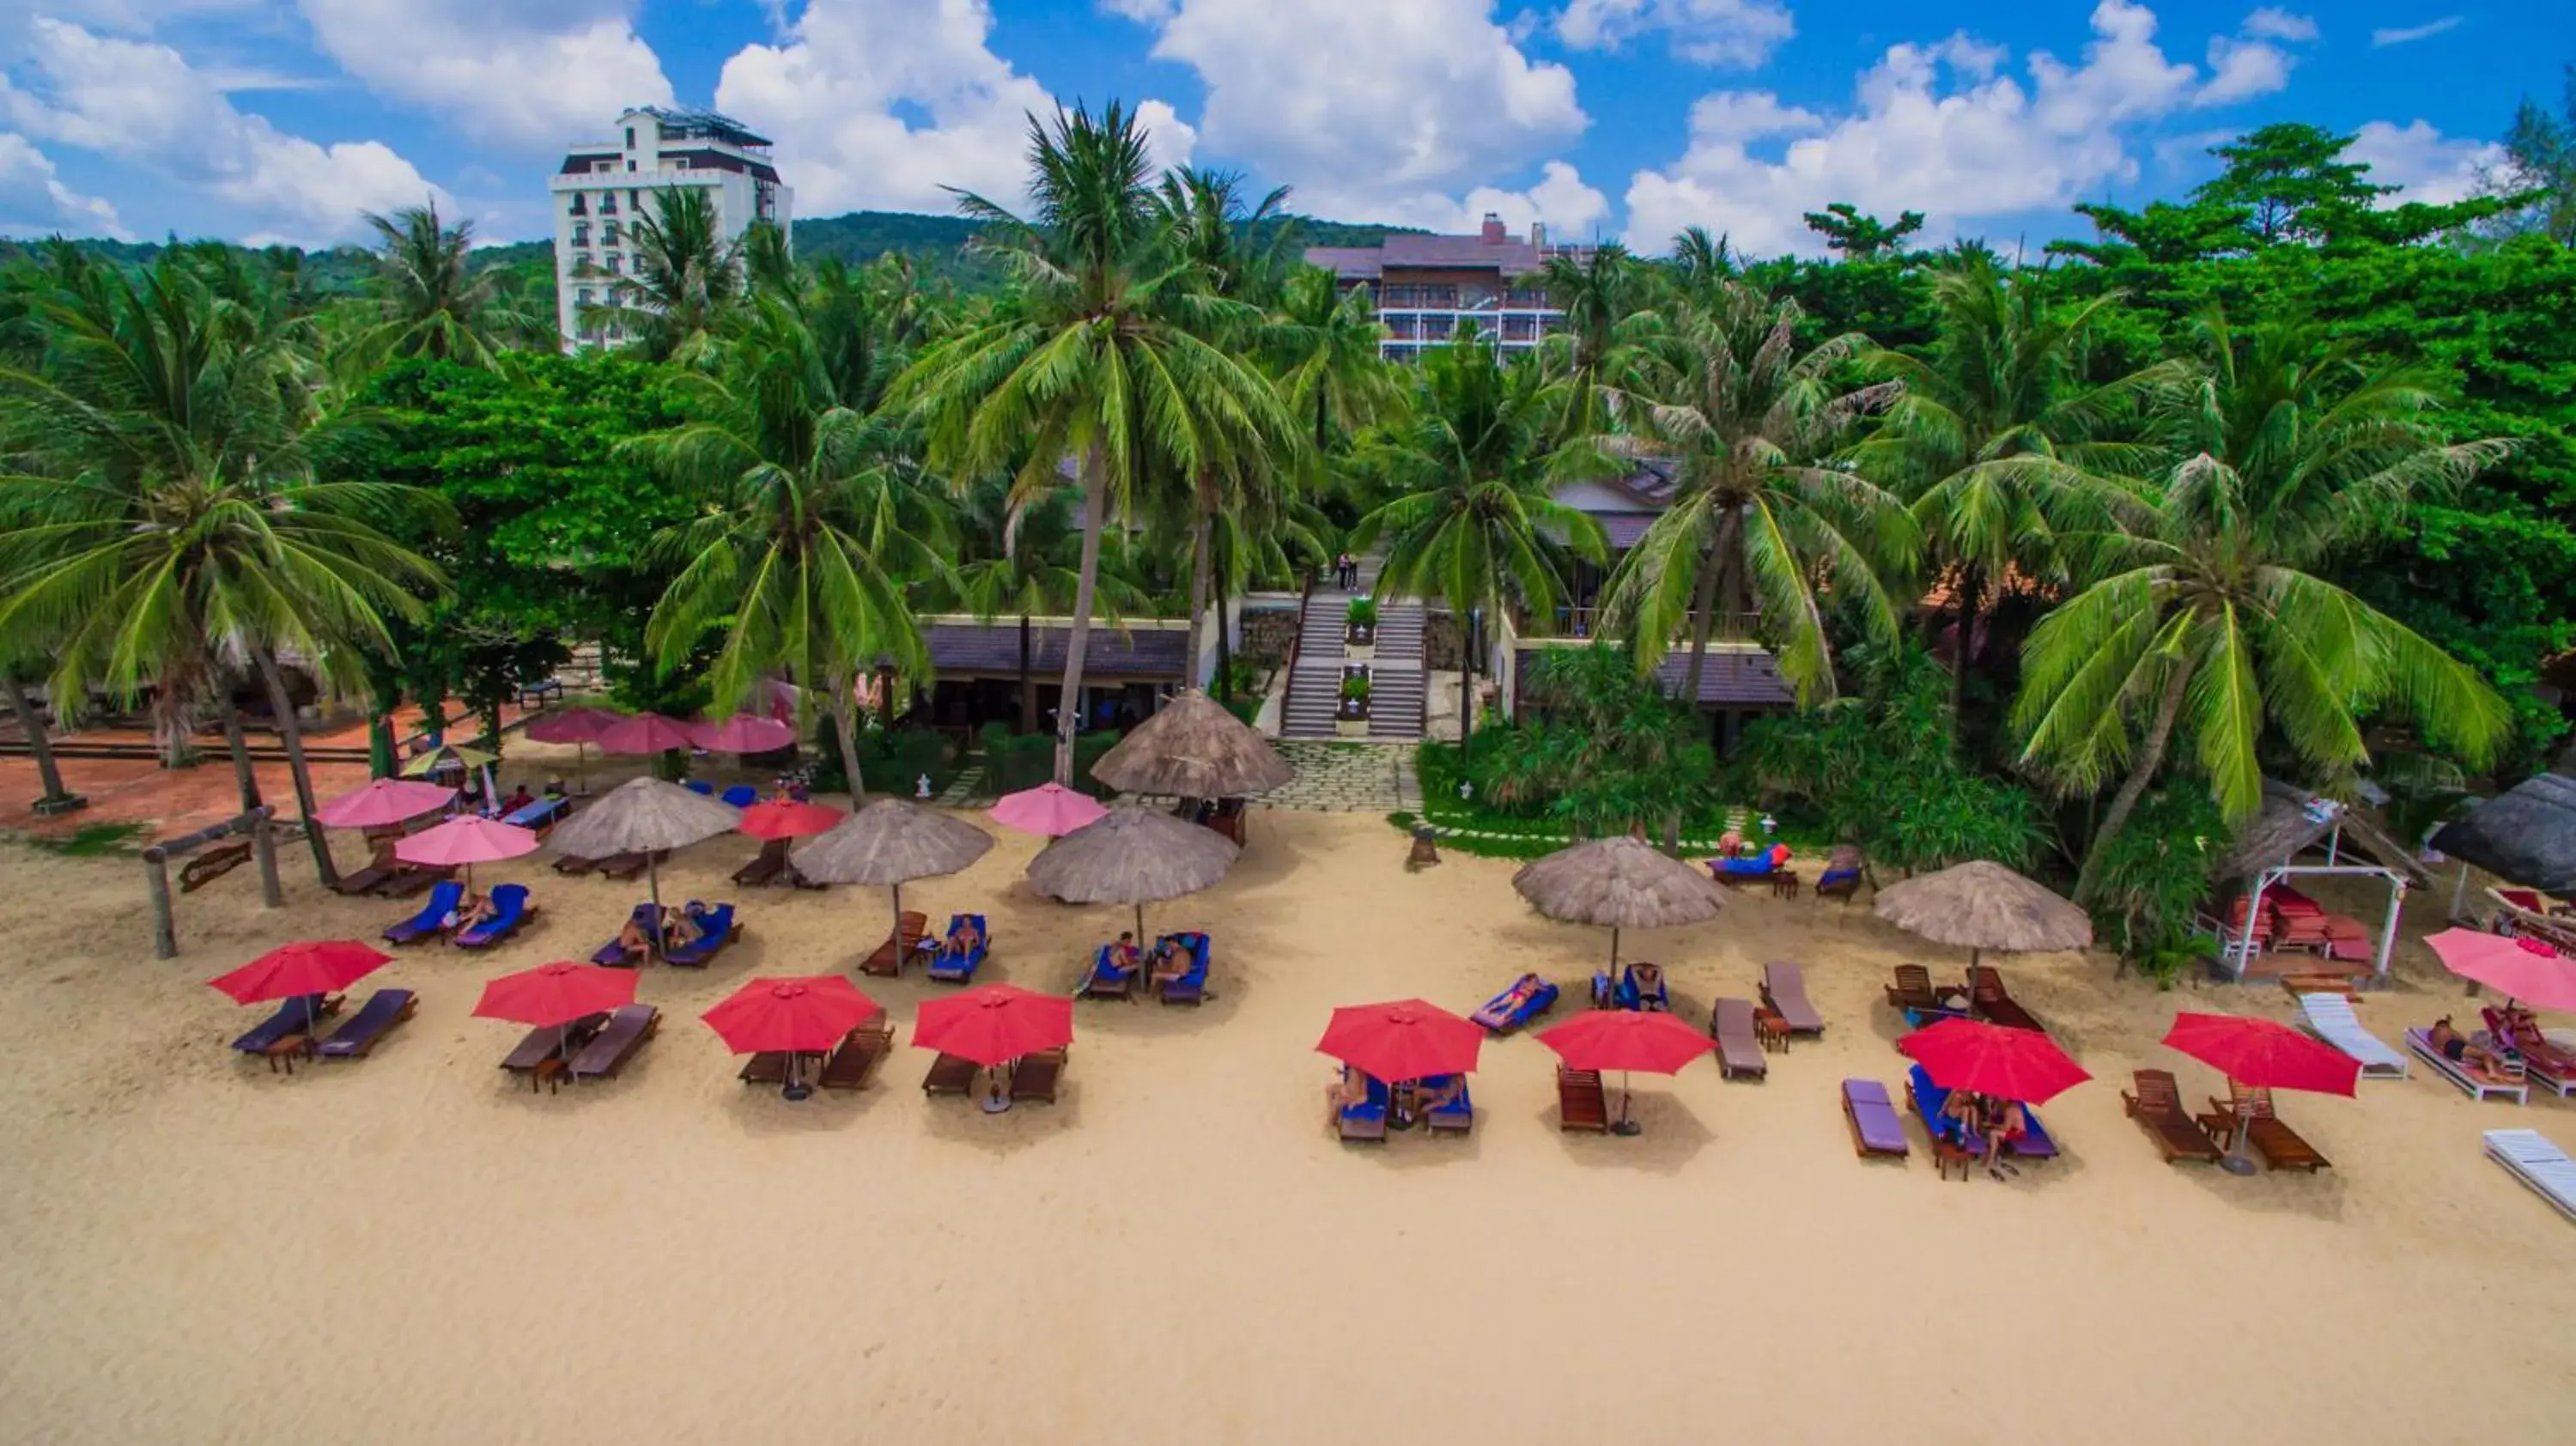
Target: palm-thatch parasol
x=646, y=816
x=1133, y=856
x=2525, y=835
x=1981, y=905
x=1622, y=882
x=891, y=841
x=1194, y=748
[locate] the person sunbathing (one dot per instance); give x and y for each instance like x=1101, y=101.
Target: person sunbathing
x=635, y=941
x=1351, y=1089
x=2004, y=1123
x=471, y=909
x=516, y=801
x=1515, y=999
x=1648, y=981
x=1437, y=1092
x=682, y=928
x=1171, y=961
x=963, y=939
x=2459, y=1049
x=1123, y=957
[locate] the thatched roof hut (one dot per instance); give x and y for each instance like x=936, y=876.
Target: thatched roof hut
x=1132, y=856
x=1981, y=905
x=1621, y=882
x=2525, y=835
x=2288, y=826
x=642, y=815
x=891, y=841
x=1194, y=748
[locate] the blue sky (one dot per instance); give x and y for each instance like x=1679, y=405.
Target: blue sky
x=283, y=119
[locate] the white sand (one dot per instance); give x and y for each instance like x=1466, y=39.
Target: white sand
x=407, y=1249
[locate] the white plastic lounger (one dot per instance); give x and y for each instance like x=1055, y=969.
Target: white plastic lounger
x=2530, y=1157
x=2474, y=1086
x=2329, y=1017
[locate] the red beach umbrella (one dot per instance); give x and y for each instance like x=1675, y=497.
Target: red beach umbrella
x=1404, y=1039
x=580, y=727
x=467, y=840
x=1627, y=1039
x=1993, y=1060
x=557, y=993
x=994, y=1023
x=384, y=803
x=2260, y=1053
x=1050, y=809
x=786, y=818
x=291, y=970
x=798, y=1014
x=744, y=733
x=2521, y=969
x=646, y=733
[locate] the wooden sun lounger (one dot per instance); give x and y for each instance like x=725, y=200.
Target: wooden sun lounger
x=1739, y=1049
x=1991, y=1002
x=950, y=1075
x=860, y=1052
x=1458, y=1117
x=1784, y=990
x=769, y=1066
x=575, y=867
x=1580, y=1103
x=1912, y=988
x=765, y=866
x=1875, y=1126
x=548, y=1043
x=1036, y=1076
x=2476, y=1084
x=382, y=1014
x=607, y=1053
x=2530, y=1156
x=625, y=866
x=367, y=880
x=2278, y=1144
x=2157, y=1107
x=899, y=946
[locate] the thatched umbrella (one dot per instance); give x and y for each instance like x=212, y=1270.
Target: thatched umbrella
x=1196, y=749
x=644, y=816
x=891, y=841
x=2525, y=835
x=1622, y=882
x=1979, y=906
x=1133, y=856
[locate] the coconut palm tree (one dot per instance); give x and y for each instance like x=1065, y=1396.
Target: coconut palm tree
x=1997, y=440
x=2209, y=620
x=430, y=301
x=1473, y=522
x=1599, y=295
x=1322, y=343
x=1750, y=423
x=165, y=530
x=813, y=519
x=1102, y=355
x=1022, y=558
x=686, y=281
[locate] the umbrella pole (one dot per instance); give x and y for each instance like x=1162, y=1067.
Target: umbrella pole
x=581, y=769
x=653, y=883
x=896, y=937
x=2235, y=1163
x=1140, y=925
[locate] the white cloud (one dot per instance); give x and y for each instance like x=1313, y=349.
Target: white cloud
x=2273, y=23
x=1143, y=11
x=2409, y=34
x=1936, y=127
x=1709, y=32
x=141, y=103
x=2240, y=69
x=141, y=17
x=34, y=198
x=1412, y=104
x=530, y=74
x=1569, y=207
x=886, y=102
x=2431, y=168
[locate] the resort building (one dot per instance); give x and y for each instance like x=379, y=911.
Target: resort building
x=1425, y=287
x=603, y=186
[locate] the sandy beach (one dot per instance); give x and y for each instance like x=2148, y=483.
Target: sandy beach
x=410, y=1249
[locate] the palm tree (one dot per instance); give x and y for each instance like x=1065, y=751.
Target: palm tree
x=686, y=281
x=1996, y=439
x=812, y=520
x=1473, y=523
x=1100, y=356
x=1598, y=295
x=1750, y=424
x=431, y=301
x=1323, y=345
x=2208, y=620
x=1702, y=266
x=166, y=531
x=1022, y=559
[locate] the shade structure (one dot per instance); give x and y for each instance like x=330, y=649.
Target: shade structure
x=745, y=733
x=646, y=733
x=571, y=725
x=1990, y=1059
x=1050, y=809
x=2522, y=969
x=305, y=967
x=795, y=1013
x=467, y=840
x=1131, y=855
x=384, y=803
x=891, y=842
x=1196, y=749
x=993, y=1024
x=2260, y=1053
x=464, y=757
x=2525, y=835
x=1620, y=883
x=1401, y=1039
x=1626, y=1040
x=1979, y=906
x=786, y=818
x=646, y=816
x=556, y=993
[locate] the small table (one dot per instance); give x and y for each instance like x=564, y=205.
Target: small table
x=281, y=1053
x=1784, y=884
x=1946, y=1153
x=1771, y=1030
x=549, y=1075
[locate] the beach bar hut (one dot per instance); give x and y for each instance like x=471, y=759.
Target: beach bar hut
x=2292, y=824
x=2525, y=836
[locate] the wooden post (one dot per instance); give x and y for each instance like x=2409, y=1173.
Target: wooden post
x=156, y=877
x=263, y=845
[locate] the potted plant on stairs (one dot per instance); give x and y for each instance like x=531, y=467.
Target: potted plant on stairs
x=1359, y=629
x=1351, y=719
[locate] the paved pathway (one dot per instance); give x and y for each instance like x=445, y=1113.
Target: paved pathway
x=1349, y=777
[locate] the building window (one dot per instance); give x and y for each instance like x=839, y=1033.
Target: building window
x=630, y=165
x=607, y=233
x=603, y=165
x=630, y=140
x=579, y=206
x=584, y=297
x=581, y=263
x=614, y=261
x=635, y=202
x=608, y=203
x=581, y=233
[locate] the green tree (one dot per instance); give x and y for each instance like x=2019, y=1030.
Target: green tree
x=2211, y=619
x=1473, y=522
x=686, y=281
x=1599, y=294
x=1093, y=357
x=1023, y=559
x=2538, y=174
x=1859, y=237
x=430, y=300
x=2288, y=177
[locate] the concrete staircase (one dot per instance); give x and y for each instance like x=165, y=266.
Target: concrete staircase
x=1395, y=674
x=1395, y=677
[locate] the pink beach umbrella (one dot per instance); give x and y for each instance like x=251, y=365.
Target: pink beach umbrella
x=1050, y=809
x=580, y=727
x=646, y=733
x=2521, y=969
x=384, y=803
x=744, y=733
x=467, y=840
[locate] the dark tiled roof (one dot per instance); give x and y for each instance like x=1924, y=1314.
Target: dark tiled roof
x=1144, y=654
x=1625, y=529
x=1729, y=677
x=1512, y=256
x=1350, y=263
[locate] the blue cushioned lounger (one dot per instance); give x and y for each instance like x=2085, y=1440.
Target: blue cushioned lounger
x=431, y=919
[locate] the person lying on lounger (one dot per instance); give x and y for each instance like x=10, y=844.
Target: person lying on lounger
x=683, y=927
x=1351, y=1089
x=963, y=938
x=471, y=909
x=2458, y=1048
x=2003, y=1123
x=1123, y=956
x=517, y=800
x=634, y=940
x=1171, y=961
x=1436, y=1092
x=1649, y=982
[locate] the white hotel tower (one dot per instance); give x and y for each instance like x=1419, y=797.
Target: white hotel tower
x=602, y=187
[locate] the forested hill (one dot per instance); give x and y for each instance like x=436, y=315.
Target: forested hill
x=936, y=244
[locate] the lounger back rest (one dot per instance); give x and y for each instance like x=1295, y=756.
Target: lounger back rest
x=1913, y=979
x=2252, y=1103
x=2158, y=1094
x=510, y=899
x=1987, y=982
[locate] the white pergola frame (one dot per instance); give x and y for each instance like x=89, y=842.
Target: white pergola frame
x=2240, y=950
